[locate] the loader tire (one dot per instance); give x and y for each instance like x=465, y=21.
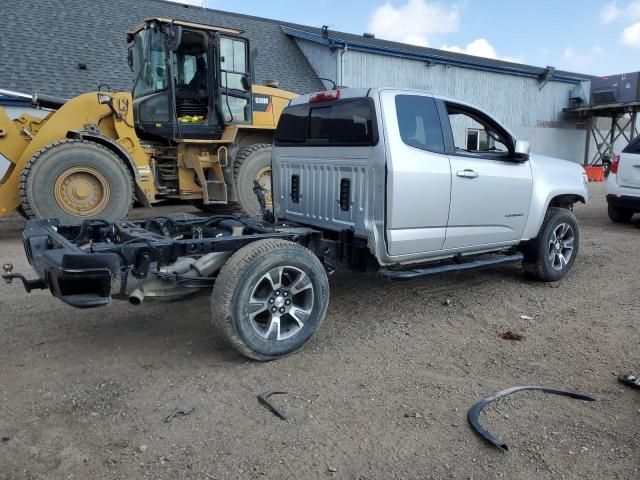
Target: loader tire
x=20, y=211
x=252, y=163
x=74, y=180
x=270, y=298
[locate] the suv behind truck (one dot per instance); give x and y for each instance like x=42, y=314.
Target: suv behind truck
x=401, y=182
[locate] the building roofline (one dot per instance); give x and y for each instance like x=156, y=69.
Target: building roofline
x=403, y=50
x=435, y=56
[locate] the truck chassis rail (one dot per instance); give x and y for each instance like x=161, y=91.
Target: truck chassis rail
x=86, y=265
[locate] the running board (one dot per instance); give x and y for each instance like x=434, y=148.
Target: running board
x=452, y=267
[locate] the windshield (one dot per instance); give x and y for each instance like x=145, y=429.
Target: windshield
x=149, y=63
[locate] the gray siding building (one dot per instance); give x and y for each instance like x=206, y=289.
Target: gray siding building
x=516, y=95
x=65, y=47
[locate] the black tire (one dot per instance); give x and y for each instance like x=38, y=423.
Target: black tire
x=247, y=164
x=541, y=259
x=619, y=214
x=20, y=211
x=244, y=274
x=38, y=182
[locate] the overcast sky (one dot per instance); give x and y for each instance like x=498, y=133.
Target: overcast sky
x=598, y=37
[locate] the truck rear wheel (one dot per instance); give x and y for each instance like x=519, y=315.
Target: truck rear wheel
x=73, y=180
x=551, y=255
x=252, y=164
x=270, y=298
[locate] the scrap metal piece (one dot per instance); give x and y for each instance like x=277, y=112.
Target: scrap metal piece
x=179, y=410
x=262, y=398
x=474, y=412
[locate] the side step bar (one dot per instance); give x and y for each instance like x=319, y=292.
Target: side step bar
x=452, y=267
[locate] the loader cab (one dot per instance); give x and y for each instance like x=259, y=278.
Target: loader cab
x=190, y=80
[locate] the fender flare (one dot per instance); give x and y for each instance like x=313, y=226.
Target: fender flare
x=108, y=142
x=474, y=412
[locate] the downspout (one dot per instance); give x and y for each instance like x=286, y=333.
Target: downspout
x=340, y=65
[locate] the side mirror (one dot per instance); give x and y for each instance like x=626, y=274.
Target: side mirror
x=522, y=150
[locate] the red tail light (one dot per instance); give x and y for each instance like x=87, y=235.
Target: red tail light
x=614, y=164
x=327, y=96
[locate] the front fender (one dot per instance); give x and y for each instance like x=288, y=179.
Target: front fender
x=553, y=179
x=108, y=142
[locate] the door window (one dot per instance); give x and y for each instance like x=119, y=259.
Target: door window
x=476, y=134
x=478, y=140
x=419, y=122
x=234, y=80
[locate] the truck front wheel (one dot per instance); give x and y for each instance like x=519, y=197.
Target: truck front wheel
x=550, y=256
x=270, y=298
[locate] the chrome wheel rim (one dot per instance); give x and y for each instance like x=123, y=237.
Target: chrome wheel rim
x=561, y=246
x=281, y=303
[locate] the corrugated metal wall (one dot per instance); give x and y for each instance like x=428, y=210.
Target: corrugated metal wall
x=532, y=114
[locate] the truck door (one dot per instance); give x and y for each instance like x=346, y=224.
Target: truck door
x=490, y=188
x=418, y=174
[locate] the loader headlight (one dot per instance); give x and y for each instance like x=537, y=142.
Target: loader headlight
x=104, y=99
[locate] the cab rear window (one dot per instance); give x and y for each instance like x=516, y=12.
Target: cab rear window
x=348, y=122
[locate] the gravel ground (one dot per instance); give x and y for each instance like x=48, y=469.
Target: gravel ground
x=381, y=392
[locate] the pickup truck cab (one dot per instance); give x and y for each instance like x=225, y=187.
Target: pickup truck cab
x=421, y=176
x=400, y=182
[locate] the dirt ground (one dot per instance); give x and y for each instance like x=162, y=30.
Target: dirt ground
x=382, y=391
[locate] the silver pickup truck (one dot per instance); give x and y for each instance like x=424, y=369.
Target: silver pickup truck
x=401, y=182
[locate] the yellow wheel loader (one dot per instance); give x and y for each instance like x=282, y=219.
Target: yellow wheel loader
x=192, y=128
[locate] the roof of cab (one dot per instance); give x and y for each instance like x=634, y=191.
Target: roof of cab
x=196, y=26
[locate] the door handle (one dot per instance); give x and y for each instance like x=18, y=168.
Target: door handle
x=637, y=165
x=467, y=173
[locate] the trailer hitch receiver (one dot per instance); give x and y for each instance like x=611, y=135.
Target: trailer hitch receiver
x=29, y=285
